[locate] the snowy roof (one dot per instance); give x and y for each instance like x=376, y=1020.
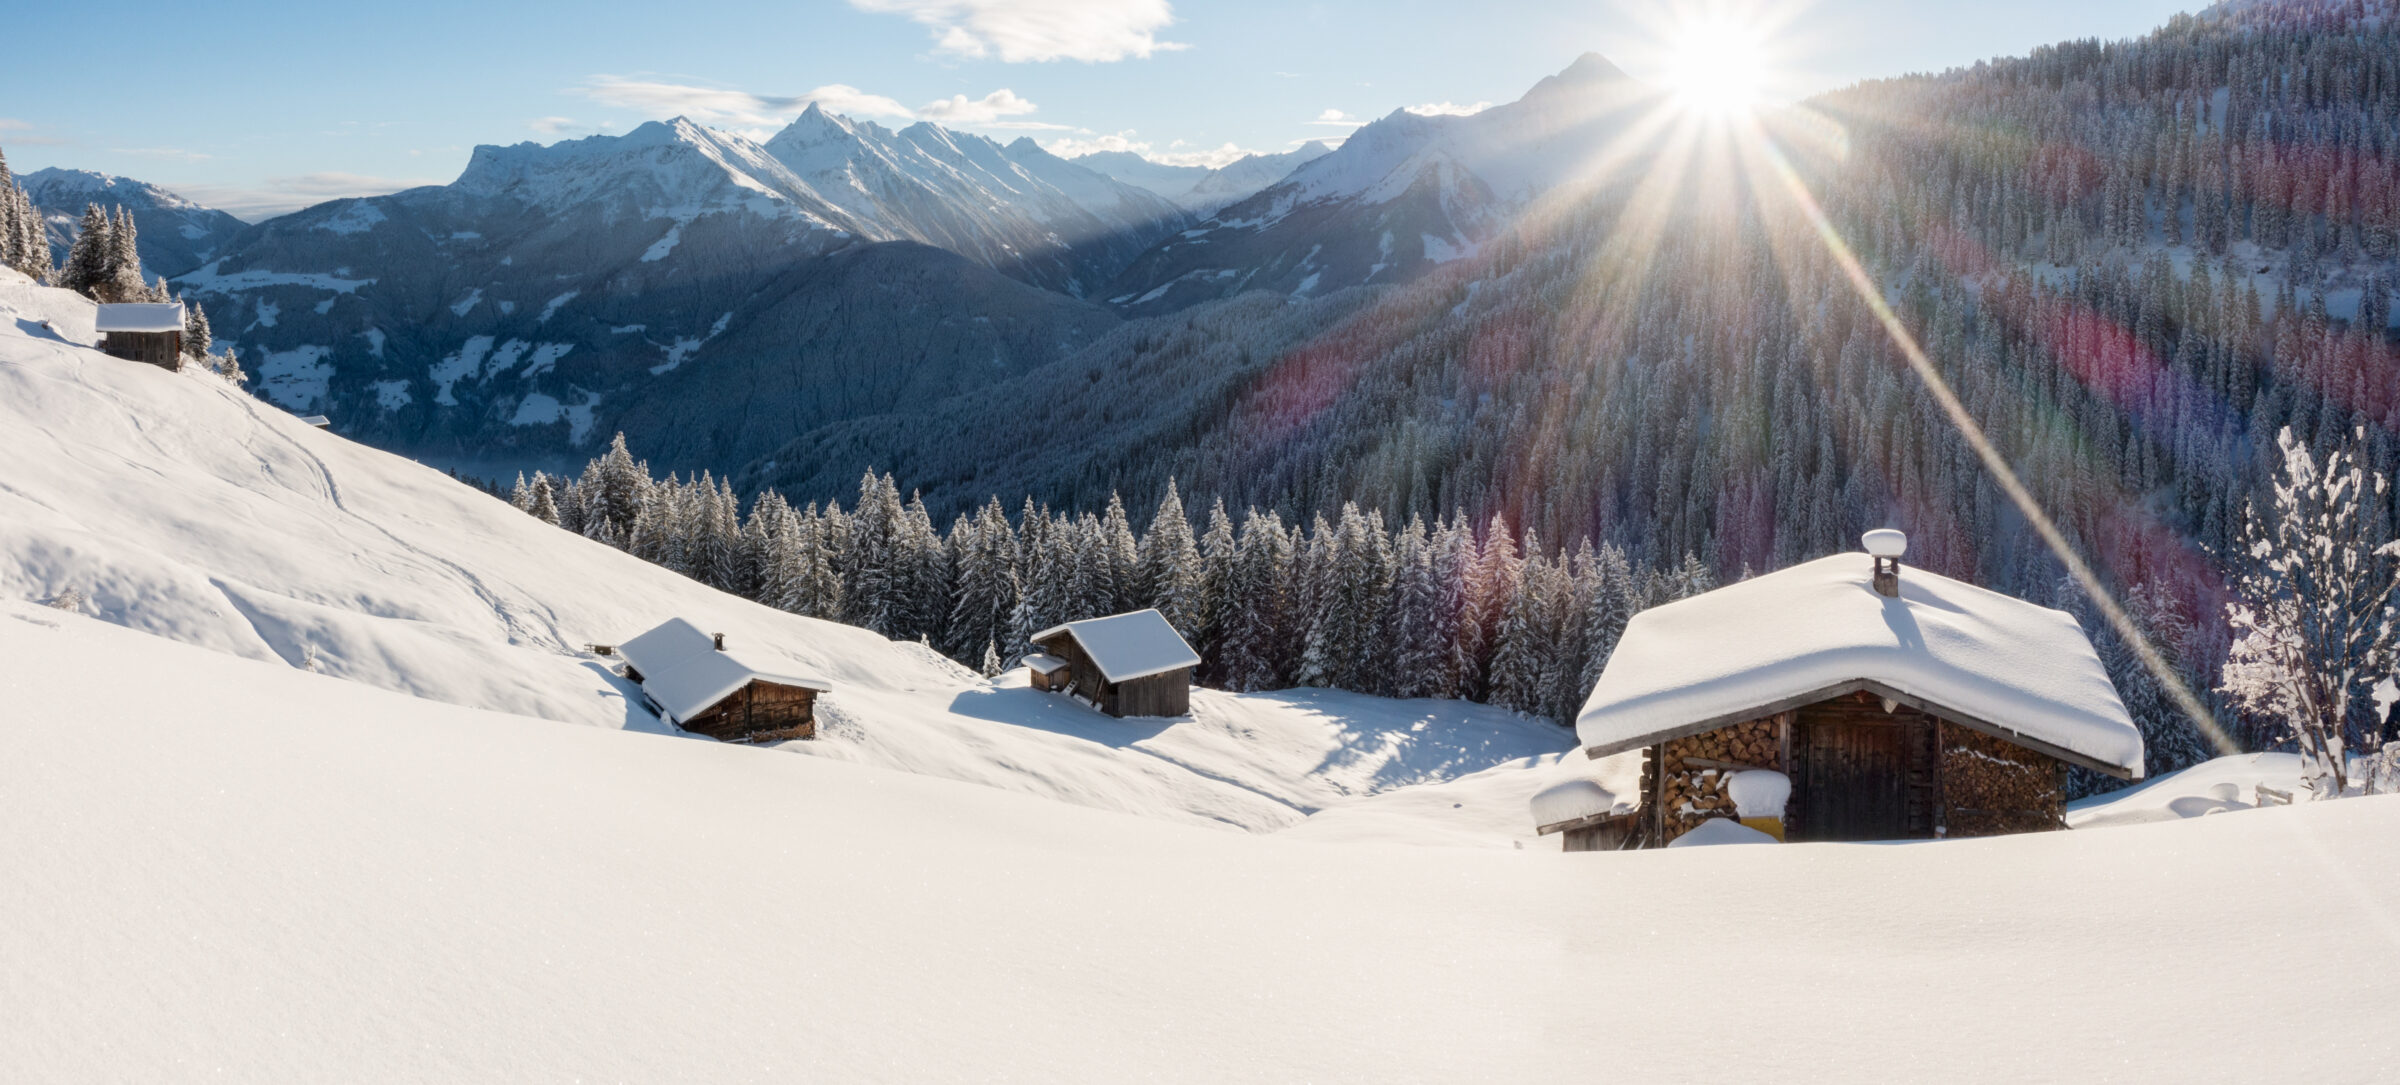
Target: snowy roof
x=1129, y=646
x=1045, y=663
x=141, y=316
x=685, y=674
x=1977, y=658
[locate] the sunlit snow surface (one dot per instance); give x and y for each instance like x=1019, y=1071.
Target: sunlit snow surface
x=443, y=858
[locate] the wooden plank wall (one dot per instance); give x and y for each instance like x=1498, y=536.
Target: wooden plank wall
x=760, y=711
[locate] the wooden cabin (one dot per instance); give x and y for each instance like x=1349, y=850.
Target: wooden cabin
x=1048, y=673
x=690, y=680
x=149, y=332
x=1127, y=664
x=1894, y=705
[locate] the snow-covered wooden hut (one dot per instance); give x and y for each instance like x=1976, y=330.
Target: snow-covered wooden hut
x=150, y=331
x=1128, y=664
x=691, y=680
x=1899, y=704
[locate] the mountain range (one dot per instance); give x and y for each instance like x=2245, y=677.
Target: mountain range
x=174, y=234
x=716, y=297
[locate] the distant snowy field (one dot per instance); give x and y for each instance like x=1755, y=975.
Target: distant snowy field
x=442, y=857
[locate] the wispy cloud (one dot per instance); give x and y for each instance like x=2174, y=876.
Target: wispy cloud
x=1174, y=155
x=758, y=114
x=987, y=110
x=1448, y=109
x=26, y=134
x=282, y=195
x=1334, y=118
x=725, y=107
x=552, y=126
x=176, y=153
x=1016, y=31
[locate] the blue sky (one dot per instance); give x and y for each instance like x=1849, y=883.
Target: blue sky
x=268, y=105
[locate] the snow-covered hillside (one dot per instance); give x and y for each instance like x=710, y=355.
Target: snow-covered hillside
x=442, y=856
x=179, y=506
x=233, y=867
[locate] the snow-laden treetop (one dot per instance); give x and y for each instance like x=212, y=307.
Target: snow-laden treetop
x=1976, y=657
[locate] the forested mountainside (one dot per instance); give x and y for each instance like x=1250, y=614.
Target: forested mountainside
x=2135, y=263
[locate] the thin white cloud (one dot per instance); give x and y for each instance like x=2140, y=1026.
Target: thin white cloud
x=724, y=107
x=757, y=115
x=1211, y=158
x=960, y=109
x=176, y=153
x=282, y=195
x=551, y=126
x=1448, y=109
x=26, y=134
x=1016, y=31
x=1334, y=118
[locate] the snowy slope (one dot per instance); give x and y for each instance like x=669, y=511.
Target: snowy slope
x=179, y=506
x=271, y=875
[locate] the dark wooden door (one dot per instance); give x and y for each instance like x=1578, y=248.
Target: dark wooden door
x=1852, y=784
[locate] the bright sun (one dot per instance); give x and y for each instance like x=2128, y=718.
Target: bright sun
x=1715, y=68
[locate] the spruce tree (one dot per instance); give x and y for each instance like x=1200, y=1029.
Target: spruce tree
x=1171, y=570
x=87, y=267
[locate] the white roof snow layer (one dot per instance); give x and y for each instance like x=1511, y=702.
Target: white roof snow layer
x=1045, y=663
x=685, y=674
x=1129, y=646
x=1990, y=658
x=142, y=316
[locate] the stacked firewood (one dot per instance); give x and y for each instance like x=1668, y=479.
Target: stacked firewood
x=1693, y=793
x=1995, y=787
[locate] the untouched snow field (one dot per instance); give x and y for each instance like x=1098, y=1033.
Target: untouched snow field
x=236, y=869
x=443, y=857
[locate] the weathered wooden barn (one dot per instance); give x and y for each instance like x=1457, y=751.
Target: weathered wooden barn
x=149, y=332
x=1896, y=705
x=1127, y=664
x=691, y=680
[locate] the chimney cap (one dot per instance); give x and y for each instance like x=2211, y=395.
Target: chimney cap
x=1884, y=542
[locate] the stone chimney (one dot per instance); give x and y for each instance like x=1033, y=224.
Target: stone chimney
x=720, y=639
x=1885, y=546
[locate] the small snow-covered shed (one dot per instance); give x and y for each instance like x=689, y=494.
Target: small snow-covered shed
x=692, y=681
x=149, y=331
x=1899, y=705
x=1128, y=664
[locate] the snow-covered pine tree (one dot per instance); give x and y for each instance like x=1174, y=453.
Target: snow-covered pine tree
x=123, y=279
x=520, y=496
x=1254, y=640
x=1521, y=644
x=1170, y=568
x=2312, y=608
x=870, y=562
x=87, y=266
x=1123, y=569
x=1419, y=634
x=1455, y=561
x=924, y=606
x=1220, y=557
x=987, y=594
x=1607, y=606
x=544, y=504
x=196, y=337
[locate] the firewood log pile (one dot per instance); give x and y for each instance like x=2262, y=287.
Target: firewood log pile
x=1692, y=794
x=1994, y=787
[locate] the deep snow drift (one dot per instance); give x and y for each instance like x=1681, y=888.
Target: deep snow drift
x=235, y=867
